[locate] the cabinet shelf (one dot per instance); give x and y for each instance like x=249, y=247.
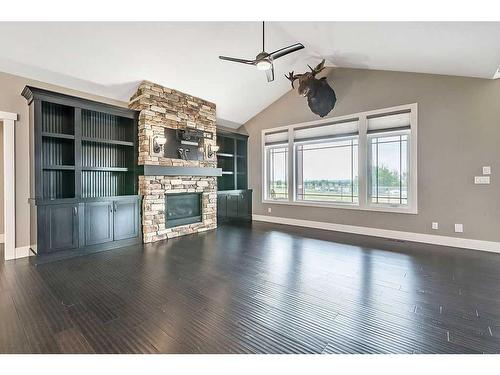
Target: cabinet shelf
x=108, y=141
x=225, y=155
x=227, y=172
x=58, y=135
x=59, y=167
x=107, y=169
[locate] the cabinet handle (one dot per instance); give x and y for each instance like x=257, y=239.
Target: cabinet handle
x=75, y=211
x=114, y=206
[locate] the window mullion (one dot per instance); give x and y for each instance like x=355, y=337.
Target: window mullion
x=362, y=162
x=290, y=176
x=400, y=170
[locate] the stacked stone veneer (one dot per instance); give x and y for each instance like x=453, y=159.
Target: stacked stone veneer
x=161, y=108
x=155, y=188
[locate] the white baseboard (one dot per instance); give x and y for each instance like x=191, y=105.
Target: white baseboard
x=21, y=252
x=1, y=238
x=465, y=243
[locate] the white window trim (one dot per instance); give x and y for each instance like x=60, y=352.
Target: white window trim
x=295, y=144
x=266, y=174
x=363, y=204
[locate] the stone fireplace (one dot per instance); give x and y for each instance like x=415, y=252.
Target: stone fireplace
x=179, y=195
x=156, y=190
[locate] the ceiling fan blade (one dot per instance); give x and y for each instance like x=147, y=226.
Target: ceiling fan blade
x=285, y=51
x=270, y=73
x=233, y=59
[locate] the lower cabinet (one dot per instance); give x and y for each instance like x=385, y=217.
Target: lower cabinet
x=126, y=219
x=98, y=222
x=111, y=221
x=60, y=229
x=234, y=205
x=79, y=225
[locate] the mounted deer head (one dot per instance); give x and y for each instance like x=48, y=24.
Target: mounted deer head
x=320, y=96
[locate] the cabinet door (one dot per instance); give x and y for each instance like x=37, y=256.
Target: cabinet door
x=243, y=204
x=126, y=219
x=232, y=205
x=221, y=206
x=61, y=227
x=98, y=223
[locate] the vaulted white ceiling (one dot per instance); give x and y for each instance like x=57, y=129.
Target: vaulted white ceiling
x=110, y=59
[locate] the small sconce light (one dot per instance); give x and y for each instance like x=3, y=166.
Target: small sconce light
x=157, y=145
x=212, y=149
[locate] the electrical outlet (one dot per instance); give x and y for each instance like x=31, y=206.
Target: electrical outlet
x=269, y=210
x=482, y=180
x=435, y=225
x=487, y=170
x=459, y=228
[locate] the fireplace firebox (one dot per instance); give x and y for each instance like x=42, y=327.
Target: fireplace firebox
x=182, y=209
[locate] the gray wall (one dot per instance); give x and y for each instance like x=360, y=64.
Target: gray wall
x=458, y=133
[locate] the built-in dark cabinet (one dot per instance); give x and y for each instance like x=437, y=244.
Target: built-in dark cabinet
x=232, y=159
x=111, y=221
x=83, y=163
x=234, y=199
x=234, y=204
x=98, y=222
x=60, y=227
x=126, y=219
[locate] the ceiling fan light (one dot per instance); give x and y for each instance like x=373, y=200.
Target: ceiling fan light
x=263, y=65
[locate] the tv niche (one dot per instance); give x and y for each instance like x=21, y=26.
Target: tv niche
x=183, y=209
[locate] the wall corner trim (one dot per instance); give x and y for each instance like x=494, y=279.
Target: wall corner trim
x=465, y=243
x=8, y=121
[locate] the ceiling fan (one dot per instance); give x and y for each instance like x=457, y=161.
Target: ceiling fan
x=264, y=60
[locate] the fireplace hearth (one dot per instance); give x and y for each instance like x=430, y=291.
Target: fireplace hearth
x=183, y=209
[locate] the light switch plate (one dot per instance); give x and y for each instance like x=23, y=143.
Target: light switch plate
x=459, y=228
x=482, y=180
x=435, y=225
x=269, y=210
x=487, y=170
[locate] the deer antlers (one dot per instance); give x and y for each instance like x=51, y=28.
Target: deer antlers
x=318, y=68
x=292, y=77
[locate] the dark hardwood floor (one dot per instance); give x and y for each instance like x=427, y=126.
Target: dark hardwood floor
x=259, y=288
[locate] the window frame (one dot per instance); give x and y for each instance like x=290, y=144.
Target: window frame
x=392, y=133
x=295, y=175
x=363, y=203
x=267, y=171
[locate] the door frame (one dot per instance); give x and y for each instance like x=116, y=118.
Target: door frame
x=8, y=120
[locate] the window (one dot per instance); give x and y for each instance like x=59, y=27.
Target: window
x=276, y=165
x=277, y=172
x=388, y=158
x=338, y=182
x=389, y=169
x=364, y=161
